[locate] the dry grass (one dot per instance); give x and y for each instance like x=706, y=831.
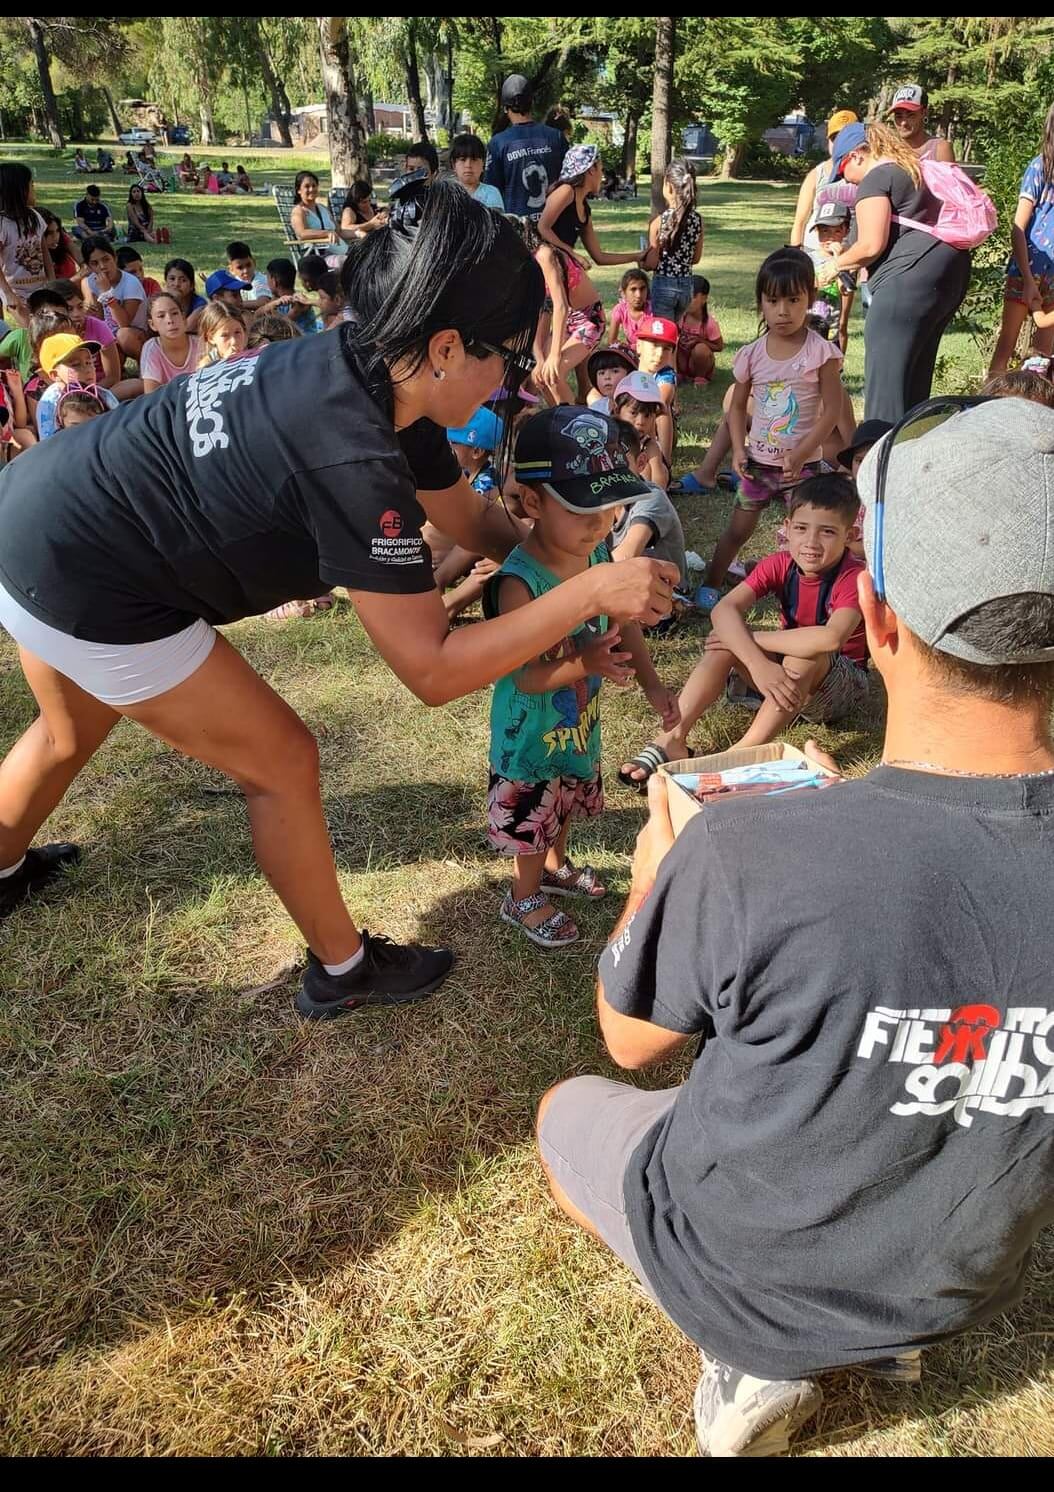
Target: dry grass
x=228, y=1233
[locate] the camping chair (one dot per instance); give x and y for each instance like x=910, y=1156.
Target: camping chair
x=150, y=178
x=337, y=198
x=285, y=201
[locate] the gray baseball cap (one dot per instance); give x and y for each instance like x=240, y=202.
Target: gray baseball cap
x=969, y=518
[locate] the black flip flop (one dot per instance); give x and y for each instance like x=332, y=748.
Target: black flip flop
x=649, y=760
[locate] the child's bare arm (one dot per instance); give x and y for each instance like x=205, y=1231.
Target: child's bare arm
x=662, y=700
x=731, y=631
x=543, y=677
x=612, y=328
x=831, y=397
x=737, y=425
x=812, y=642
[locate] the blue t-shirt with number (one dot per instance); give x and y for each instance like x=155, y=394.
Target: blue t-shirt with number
x=523, y=162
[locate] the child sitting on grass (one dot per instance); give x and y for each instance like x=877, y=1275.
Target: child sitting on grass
x=651, y=526
x=222, y=333
x=657, y=339
x=332, y=307
x=267, y=327
x=638, y=401
x=606, y=367
x=699, y=336
x=815, y=665
x=172, y=351
x=130, y=259
x=545, y=718
x=474, y=446
x=77, y=407
x=67, y=363
x=179, y=279
x=242, y=267
x=281, y=281
x=634, y=304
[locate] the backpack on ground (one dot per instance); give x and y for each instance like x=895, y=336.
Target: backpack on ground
x=967, y=215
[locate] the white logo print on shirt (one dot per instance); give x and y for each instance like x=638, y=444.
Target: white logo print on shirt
x=205, y=392
x=967, y=1058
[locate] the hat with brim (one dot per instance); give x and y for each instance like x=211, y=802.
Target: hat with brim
x=576, y=455
x=222, y=279
x=483, y=432
x=658, y=329
x=936, y=571
x=578, y=160
x=61, y=345
x=911, y=97
x=866, y=435
x=851, y=138
x=839, y=119
x=625, y=357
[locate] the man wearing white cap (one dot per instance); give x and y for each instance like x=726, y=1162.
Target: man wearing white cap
x=908, y=111
x=861, y=1157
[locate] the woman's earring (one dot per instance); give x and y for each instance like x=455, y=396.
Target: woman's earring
x=438, y=373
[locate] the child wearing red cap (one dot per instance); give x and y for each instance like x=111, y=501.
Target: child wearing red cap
x=657, y=339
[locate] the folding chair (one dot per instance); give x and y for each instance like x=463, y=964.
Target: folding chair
x=285, y=201
x=337, y=198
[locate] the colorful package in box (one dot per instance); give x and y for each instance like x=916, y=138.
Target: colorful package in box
x=745, y=771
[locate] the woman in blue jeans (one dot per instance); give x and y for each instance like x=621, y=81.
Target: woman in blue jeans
x=675, y=240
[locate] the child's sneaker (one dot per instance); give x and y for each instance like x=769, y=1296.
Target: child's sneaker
x=706, y=597
x=388, y=974
x=557, y=931
x=738, y=1415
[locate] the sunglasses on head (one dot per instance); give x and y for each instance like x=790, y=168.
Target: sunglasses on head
x=918, y=421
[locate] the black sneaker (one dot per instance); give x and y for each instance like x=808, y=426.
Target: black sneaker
x=37, y=869
x=738, y=1415
x=389, y=974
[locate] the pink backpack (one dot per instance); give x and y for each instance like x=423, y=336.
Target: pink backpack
x=967, y=216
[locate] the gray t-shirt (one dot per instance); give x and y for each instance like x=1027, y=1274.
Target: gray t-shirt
x=663, y=520
x=861, y=1157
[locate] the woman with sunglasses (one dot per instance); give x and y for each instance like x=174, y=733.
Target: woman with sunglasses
x=803, y=234
x=248, y=484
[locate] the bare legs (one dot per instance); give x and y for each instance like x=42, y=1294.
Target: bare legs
x=223, y=715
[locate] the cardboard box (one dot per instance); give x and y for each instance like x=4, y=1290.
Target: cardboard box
x=683, y=806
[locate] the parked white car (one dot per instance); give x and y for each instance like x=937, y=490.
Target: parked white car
x=138, y=137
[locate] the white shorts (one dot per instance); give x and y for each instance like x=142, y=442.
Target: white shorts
x=118, y=674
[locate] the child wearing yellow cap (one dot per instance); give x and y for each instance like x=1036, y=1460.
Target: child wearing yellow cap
x=67, y=362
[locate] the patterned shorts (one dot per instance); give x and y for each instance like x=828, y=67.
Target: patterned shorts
x=525, y=818
x=1015, y=289
x=586, y=327
x=843, y=688
x=763, y=484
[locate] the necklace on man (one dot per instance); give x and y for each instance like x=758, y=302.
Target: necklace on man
x=956, y=771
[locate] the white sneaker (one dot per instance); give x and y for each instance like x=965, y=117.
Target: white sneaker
x=738, y=1415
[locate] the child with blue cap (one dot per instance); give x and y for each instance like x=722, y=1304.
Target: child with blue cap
x=474, y=445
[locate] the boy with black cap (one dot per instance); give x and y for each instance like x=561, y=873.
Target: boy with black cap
x=545, y=718
x=524, y=160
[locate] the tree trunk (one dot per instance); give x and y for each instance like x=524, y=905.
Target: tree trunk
x=367, y=103
x=947, y=120
x=629, y=146
x=114, y=116
x=665, y=34
x=205, y=121
x=51, y=108
x=275, y=90
x=733, y=161
x=347, y=147
x=413, y=83
x=450, y=85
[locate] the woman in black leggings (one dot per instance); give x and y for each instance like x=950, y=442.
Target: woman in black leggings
x=917, y=281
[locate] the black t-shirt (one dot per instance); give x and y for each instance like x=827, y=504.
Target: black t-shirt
x=861, y=1157
x=249, y=483
x=906, y=247
x=94, y=213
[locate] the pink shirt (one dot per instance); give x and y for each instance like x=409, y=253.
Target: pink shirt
x=786, y=395
x=153, y=363
x=97, y=331
x=622, y=317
